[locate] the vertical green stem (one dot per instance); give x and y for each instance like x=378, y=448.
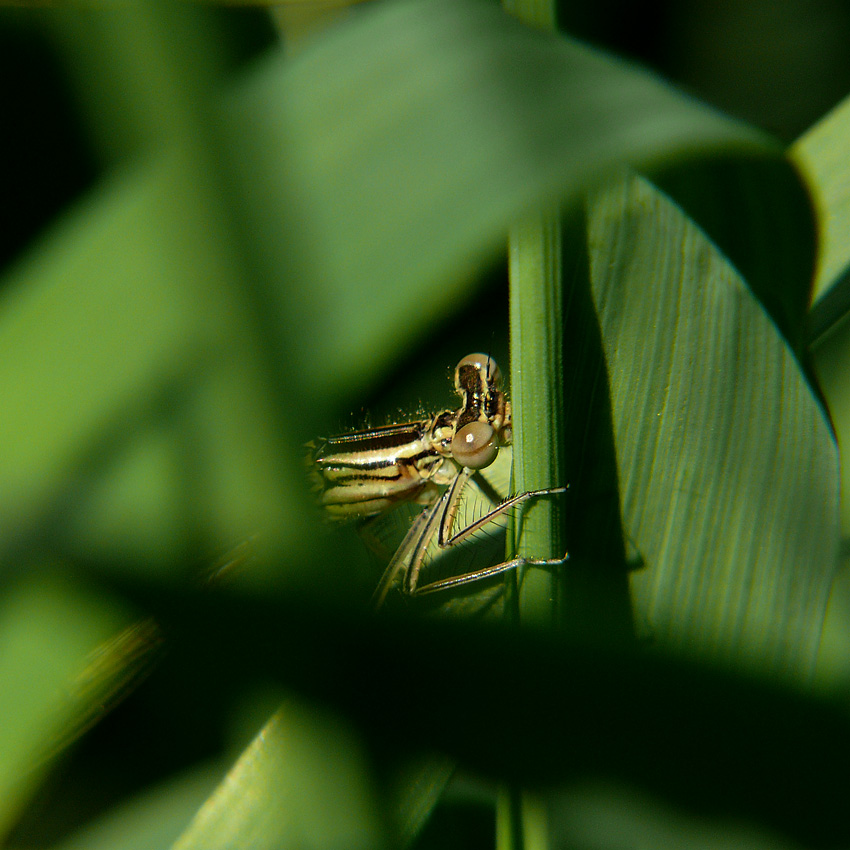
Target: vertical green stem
x=509, y=818
x=520, y=821
x=537, y=380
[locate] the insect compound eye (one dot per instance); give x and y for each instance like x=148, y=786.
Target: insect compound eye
x=475, y=445
x=485, y=365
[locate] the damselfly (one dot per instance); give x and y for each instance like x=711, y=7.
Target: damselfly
x=429, y=462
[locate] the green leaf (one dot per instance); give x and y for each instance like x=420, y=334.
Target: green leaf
x=831, y=356
x=415, y=788
x=151, y=820
x=728, y=469
x=719, y=742
x=47, y=632
x=371, y=192
x=303, y=782
x=603, y=814
x=127, y=360
x=823, y=156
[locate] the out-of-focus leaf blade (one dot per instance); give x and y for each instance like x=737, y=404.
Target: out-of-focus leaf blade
x=385, y=161
x=47, y=631
x=126, y=325
x=112, y=670
x=728, y=469
x=302, y=782
x=152, y=820
x=137, y=69
x=605, y=815
x=733, y=744
x=415, y=789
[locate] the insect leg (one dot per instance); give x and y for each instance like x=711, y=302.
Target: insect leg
x=446, y=537
x=445, y=512
x=486, y=572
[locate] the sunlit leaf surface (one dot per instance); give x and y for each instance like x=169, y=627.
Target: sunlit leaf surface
x=372, y=192
x=302, y=782
x=728, y=469
x=152, y=820
x=47, y=632
x=822, y=155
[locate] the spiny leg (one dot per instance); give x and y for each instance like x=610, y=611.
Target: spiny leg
x=445, y=512
x=487, y=572
x=446, y=538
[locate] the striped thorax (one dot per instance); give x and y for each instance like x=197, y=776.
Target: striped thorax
x=367, y=472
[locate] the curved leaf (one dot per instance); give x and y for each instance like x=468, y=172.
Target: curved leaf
x=383, y=162
x=301, y=782
x=47, y=630
x=823, y=156
x=722, y=743
x=152, y=820
x=728, y=470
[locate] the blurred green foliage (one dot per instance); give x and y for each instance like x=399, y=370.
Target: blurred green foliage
x=219, y=246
